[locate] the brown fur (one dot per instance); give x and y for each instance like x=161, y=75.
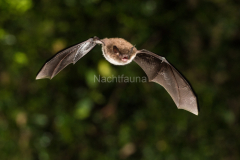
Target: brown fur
x=125, y=48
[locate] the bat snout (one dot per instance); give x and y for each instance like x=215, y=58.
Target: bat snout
x=125, y=58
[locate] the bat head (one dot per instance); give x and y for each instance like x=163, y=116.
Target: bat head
x=118, y=51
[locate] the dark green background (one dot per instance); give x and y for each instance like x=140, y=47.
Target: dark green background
x=73, y=117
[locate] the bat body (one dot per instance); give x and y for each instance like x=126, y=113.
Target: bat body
x=120, y=52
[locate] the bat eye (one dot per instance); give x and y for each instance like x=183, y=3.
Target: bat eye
x=115, y=49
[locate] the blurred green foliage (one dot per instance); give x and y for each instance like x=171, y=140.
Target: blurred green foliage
x=73, y=117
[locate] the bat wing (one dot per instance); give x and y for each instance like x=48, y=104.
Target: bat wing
x=64, y=58
x=159, y=70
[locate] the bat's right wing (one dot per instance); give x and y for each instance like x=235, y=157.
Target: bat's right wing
x=159, y=70
x=66, y=57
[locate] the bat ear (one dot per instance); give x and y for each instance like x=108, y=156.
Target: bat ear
x=115, y=49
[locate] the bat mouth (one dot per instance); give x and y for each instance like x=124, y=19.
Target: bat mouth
x=125, y=59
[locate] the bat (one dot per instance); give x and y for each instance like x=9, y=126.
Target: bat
x=120, y=52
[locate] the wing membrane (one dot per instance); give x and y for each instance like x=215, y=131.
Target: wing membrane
x=159, y=70
x=64, y=58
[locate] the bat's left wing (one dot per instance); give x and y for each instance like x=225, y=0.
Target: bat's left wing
x=66, y=57
x=159, y=70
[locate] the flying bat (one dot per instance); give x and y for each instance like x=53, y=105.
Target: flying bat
x=120, y=52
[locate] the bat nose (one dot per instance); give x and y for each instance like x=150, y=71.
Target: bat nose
x=125, y=56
